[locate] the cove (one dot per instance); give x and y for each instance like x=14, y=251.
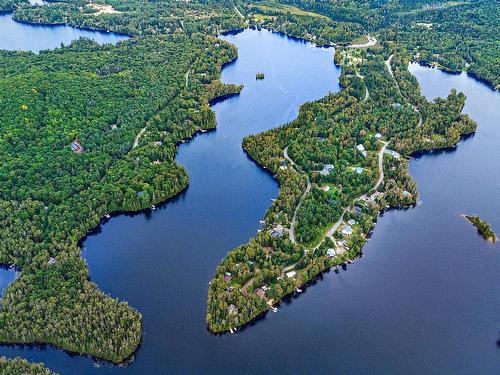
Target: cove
x=21, y=36
x=423, y=298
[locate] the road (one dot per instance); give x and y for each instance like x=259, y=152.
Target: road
x=138, y=137
x=389, y=68
x=308, y=189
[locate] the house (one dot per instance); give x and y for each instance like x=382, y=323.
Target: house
x=393, y=153
x=376, y=195
x=290, y=274
x=228, y=276
x=351, y=222
x=277, y=231
x=113, y=126
x=347, y=230
x=260, y=293
x=364, y=153
x=158, y=143
x=358, y=210
x=326, y=169
x=325, y=188
x=283, y=167
x=156, y=162
x=51, y=261
x=378, y=136
x=331, y=253
x=358, y=170
x=76, y=146
x=232, y=309
x=360, y=147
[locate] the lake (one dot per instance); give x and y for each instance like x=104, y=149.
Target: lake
x=26, y=37
x=423, y=299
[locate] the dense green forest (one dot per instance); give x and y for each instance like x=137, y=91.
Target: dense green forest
x=21, y=366
x=483, y=227
x=86, y=130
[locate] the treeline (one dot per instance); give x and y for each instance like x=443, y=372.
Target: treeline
x=10, y=5
x=139, y=18
x=21, y=366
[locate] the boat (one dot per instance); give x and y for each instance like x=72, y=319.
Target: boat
x=231, y=330
x=298, y=290
x=274, y=309
x=153, y=207
x=107, y=216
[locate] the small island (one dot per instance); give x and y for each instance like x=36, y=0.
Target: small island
x=483, y=227
x=259, y=76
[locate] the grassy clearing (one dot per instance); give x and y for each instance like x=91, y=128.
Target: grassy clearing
x=283, y=9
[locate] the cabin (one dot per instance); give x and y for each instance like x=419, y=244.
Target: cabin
x=347, y=230
x=76, y=147
x=232, y=309
x=325, y=188
x=360, y=147
x=51, y=261
x=378, y=136
x=393, y=153
x=277, y=231
x=331, y=253
x=228, y=277
x=260, y=293
x=291, y=274
x=326, y=169
x=351, y=222
x=358, y=170
x=376, y=195
x=158, y=143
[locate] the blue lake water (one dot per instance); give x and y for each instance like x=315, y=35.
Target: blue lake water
x=20, y=36
x=7, y=275
x=423, y=299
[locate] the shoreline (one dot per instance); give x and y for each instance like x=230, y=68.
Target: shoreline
x=444, y=69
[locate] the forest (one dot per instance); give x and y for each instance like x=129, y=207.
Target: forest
x=482, y=227
x=88, y=130
x=73, y=150
x=22, y=366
